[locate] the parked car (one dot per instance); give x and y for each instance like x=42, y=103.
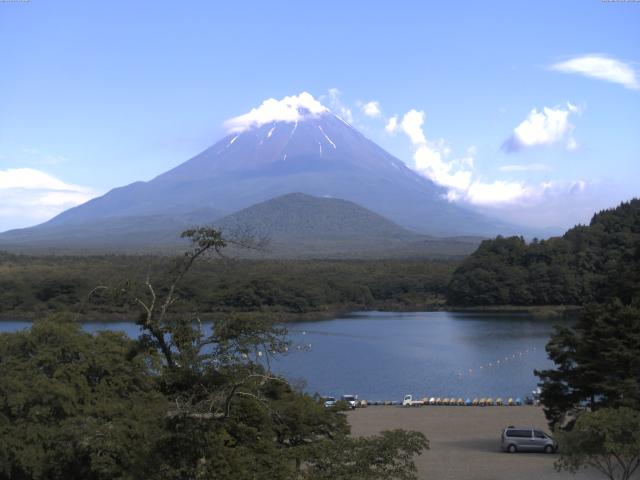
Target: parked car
x=352, y=401
x=527, y=439
x=408, y=401
x=329, y=402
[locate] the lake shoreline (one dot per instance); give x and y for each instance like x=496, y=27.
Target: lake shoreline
x=538, y=311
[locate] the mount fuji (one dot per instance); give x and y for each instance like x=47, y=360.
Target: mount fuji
x=286, y=146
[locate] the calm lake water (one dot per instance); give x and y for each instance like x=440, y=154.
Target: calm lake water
x=383, y=355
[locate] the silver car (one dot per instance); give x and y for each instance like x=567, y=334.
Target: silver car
x=527, y=439
x=329, y=402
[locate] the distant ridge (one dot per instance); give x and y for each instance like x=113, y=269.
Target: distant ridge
x=300, y=225
x=297, y=216
x=296, y=226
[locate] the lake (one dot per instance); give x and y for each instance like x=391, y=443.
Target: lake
x=385, y=355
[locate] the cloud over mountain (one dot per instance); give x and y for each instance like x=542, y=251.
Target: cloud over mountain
x=290, y=109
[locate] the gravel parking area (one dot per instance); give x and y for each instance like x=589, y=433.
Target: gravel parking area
x=465, y=441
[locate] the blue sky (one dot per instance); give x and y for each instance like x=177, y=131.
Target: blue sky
x=95, y=95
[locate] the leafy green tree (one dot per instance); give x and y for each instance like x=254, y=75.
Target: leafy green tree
x=75, y=405
x=385, y=456
x=607, y=440
x=597, y=363
x=230, y=417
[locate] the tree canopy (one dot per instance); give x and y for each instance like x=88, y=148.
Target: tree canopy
x=593, y=263
x=597, y=362
x=74, y=405
x=607, y=440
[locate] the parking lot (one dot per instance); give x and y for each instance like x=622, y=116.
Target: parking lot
x=465, y=441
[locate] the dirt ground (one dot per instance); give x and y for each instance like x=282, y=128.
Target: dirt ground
x=465, y=441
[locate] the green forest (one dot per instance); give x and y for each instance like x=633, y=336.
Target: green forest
x=589, y=263
x=31, y=286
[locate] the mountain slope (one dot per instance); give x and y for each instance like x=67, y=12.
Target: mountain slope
x=297, y=216
x=296, y=226
x=299, y=225
x=310, y=151
x=128, y=233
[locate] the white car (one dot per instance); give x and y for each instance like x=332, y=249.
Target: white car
x=408, y=401
x=352, y=401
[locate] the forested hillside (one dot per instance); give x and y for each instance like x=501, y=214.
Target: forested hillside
x=591, y=263
x=36, y=286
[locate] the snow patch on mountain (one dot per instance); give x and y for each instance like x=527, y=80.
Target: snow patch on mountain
x=326, y=136
x=290, y=109
x=295, y=125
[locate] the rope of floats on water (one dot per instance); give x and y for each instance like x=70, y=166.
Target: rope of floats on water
x=461, y=374
x=508, y=359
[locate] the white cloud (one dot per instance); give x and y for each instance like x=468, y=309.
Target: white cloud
x=289, y=109
x=548, y=127
x=497, y=192
x=528, y=167
x=602, y=68
x=392, y=125
x=430, y=161
x=29, y=178
x=434, y=160
x=500, y=194
x=29, y=196
x=412, y=125
x=371, y=109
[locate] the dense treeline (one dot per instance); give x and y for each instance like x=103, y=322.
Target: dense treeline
x=32, y=286
x=588, y=264
x=593, y=263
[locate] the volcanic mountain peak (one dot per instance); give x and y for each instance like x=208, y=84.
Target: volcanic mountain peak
x=295, y=135
x=291, y=145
